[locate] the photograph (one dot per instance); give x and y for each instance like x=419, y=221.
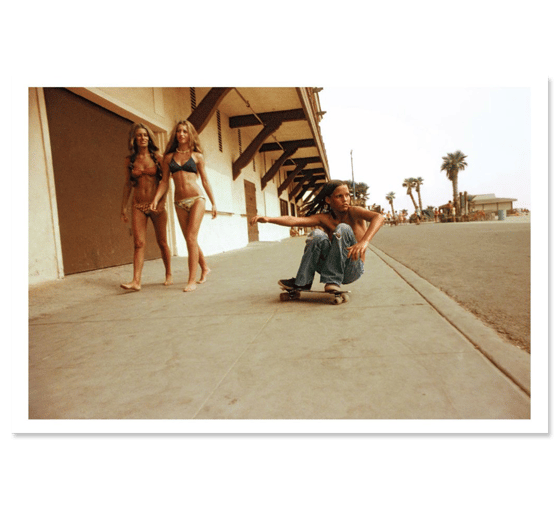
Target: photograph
x=331, y=259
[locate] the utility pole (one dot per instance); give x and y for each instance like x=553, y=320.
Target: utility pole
x=353, y=184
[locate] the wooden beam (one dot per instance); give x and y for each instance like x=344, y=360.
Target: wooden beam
x=313, y=171
x=285, y=145
x=239, y=121
x=313, y=194
x=271, y=172
x=304, y=190
x=203, y=112
x=245, y=158
x=300, y=165
x=299, y=186
x=308, y=160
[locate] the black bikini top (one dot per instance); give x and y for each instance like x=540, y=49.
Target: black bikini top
x=189, y=166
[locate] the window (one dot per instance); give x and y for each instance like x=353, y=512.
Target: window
x=283, y=207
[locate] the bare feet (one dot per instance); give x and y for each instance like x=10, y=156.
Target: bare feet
x=132, y=286
x=203, y=275
x=168, y=280
x=189, y=288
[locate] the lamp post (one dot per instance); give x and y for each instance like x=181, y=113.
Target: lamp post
x=353, y=184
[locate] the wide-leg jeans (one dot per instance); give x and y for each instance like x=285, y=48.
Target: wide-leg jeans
x=329, y=258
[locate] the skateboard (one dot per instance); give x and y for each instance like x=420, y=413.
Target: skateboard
x=338, y=297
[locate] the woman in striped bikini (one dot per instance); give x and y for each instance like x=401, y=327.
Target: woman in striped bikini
x=143, y=173
x=183, y=159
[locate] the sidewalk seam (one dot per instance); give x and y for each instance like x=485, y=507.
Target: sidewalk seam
x=218, y=384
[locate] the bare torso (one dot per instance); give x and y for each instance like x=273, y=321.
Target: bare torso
x=329, y=222
x=144, y=170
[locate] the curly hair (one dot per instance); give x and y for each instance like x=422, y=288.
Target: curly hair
x=319, y=204
x=133, y=149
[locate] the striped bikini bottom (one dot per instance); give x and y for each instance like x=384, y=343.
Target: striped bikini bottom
x=187, y=203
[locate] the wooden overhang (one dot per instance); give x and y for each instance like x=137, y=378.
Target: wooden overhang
x=280, y=120
x=206, y=108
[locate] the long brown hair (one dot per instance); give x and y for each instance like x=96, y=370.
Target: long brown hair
x=194, y=140
x=133, y=149
x=319, y=204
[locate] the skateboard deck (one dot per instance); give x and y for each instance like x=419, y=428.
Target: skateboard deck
x=338, y=297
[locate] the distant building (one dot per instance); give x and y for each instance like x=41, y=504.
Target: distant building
x=489, y=202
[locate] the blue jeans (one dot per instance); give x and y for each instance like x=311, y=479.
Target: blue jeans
x=329, y=258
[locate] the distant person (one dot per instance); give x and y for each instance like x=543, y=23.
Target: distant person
x=338, y=251
x=184, y=160
x=143, y=174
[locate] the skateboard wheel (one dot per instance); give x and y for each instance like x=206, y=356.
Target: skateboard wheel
x=345, y=297
x=337, y=300
x=284, y=297
x=296, y=295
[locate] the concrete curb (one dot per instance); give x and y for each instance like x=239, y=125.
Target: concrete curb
x=509, y=359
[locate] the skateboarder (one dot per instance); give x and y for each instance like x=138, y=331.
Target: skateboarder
x=338, y=251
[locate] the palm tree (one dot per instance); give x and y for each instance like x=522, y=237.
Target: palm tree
x=419, y=181
x=362, y=193
x=390, y=197
x=452, y=163
x=410, y=183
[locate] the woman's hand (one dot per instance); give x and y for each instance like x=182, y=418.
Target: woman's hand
x=153, y=206
x=214, y=211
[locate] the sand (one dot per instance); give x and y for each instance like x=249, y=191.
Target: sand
x=484, y=266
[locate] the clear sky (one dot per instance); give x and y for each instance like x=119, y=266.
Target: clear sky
x=397, y=133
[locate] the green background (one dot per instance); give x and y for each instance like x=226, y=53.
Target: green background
x=250, y=480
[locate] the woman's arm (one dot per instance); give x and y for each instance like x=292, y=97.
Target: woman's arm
x=163, y=185
x=201, y=167
x=126, y=192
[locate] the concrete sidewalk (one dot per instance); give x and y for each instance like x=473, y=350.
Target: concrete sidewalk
x=400, y=349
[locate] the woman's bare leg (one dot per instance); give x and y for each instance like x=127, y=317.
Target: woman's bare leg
x=160, y=228
x=139, y=224
x=205, y=270
x=190, y=225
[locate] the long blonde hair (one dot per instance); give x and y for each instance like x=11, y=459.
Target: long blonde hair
x=194, y=140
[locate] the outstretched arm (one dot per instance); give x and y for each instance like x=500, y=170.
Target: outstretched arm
x=289, y=221
x=375, y=223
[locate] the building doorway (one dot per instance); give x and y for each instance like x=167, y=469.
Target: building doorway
x=89, y=146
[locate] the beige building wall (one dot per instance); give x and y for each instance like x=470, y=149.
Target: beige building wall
x=159, y=108
x=45, y=257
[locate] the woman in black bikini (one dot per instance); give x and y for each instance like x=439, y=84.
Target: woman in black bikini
x=143, y=173
x=183, y=159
